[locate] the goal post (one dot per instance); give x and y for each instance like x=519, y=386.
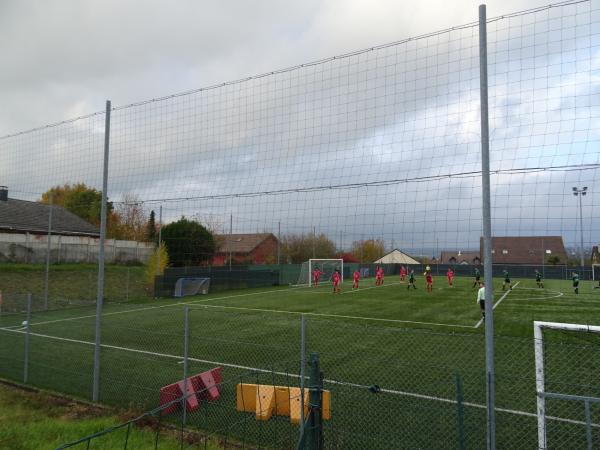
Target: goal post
x=191, y=286
x=596, y=272
x=540, y=374
x=327, y=266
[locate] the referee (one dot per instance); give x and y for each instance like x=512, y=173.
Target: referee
x=481, y=299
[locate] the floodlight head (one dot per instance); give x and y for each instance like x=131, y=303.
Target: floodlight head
x=585, y=188
x=575, y=193
x=574, y=189
x=583, y=193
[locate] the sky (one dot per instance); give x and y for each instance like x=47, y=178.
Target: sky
x=309, y=127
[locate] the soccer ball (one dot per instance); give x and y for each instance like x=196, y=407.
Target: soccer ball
x=24, y=323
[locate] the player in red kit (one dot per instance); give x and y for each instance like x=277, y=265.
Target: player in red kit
x=450, y=275
x=337, y=278
x=429, y=280
x=316, y=274
x=402, y=273
x=356, y=276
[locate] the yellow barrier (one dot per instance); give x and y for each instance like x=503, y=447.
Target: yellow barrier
x=267, y=400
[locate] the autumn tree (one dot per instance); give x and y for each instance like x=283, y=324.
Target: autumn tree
x=297, y=248
x=130, y=219
x=80, y=199
x=368, y=250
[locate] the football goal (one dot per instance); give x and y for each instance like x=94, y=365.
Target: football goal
x=556, y=366
x=326, y=266
x=191, y=286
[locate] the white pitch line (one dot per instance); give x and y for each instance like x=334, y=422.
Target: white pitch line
x=478, y=324
x=201, y=303
x=341, y=316
x=541, y=297
x=170, y=305
x=293, y=375
x=371, y=287
x=323, y=289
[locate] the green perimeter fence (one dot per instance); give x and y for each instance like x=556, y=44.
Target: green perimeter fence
x=391, y=387
x=252, y=276
x=72, y=286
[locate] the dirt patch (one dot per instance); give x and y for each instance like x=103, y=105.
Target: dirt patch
x=76, y=410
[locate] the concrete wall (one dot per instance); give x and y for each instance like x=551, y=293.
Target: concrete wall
x=31, y=248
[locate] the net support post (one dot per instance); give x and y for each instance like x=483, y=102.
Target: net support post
x=48, y=250
x=588, y=425
x=186, y=346
x=100, y=287
x=487, y=232
x=302, y=367
x=460, y=412
x=27, y=334
x=314, y=427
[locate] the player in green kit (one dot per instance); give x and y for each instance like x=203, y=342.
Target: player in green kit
x=411, y=280
x=477, y=275
x=538, y=279
x=575, y=283
x=506, y=281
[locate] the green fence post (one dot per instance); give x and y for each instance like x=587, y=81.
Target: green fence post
x=315, y=398
x=460, y=413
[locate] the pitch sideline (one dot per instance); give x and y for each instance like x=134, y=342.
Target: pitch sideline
x=330, y=381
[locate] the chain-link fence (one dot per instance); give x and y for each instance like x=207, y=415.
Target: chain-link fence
x=390, y=387
x=413, y=146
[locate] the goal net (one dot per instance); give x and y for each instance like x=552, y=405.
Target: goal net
x=326, y=266
x=191, y=286
x=566, y=383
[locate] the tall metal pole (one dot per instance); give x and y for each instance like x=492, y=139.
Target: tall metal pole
x=302, y=367
x=158, y=251
x=27, y=331
x=230, y=238
x=543, y=259
x=48, y=249
x=100, y=291
x=581, y=232
x=186, y=346
x=580, y=193
x=278, y=242
x=160, y=225
x=313, y=241
x=159, y=240
x=487, y=233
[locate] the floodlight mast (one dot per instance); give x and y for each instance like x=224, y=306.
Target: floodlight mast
x=580, y=193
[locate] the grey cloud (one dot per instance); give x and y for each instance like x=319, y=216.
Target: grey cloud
x=403, y=112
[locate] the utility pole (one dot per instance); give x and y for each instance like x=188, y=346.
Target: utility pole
x=278, y=242
x=230, y=238
x=580, y=193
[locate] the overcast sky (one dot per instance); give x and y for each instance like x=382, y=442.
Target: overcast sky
x=63, y=59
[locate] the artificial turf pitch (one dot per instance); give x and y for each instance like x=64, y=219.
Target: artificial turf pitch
x=416, y=347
